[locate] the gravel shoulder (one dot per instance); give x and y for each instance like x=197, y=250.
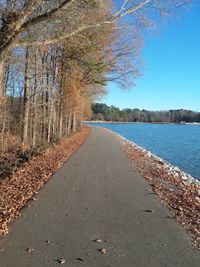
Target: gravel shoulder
x=97, y=194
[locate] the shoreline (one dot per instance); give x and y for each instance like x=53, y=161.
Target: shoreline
x=179, y=191
x=126, y=122
x=172, y=169
x=99, y=211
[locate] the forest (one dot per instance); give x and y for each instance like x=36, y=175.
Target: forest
x=56, y=58
x=102, y=112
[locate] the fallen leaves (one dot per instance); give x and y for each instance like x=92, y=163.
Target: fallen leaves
x=98, y=240
x=147, y=210
x=61, y=260
x=29, y=249
x=20, y=187
x=180, y=196
x=79, y=259
x=103, y=250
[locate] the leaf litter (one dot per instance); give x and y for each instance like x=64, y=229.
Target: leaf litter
x=179, y=191
x=20, y=187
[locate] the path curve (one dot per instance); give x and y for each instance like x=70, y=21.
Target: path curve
x=97, y=194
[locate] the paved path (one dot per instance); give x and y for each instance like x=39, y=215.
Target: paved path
x=104, y=197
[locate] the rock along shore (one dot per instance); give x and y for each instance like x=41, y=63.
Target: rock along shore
x=177, y=189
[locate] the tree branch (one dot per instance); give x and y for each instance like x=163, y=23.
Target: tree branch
x=23, y=23
x=84, y=27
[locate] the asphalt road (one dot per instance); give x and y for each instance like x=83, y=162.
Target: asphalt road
x=97, y=194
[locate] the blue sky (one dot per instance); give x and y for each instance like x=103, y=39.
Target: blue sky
x=171, y=74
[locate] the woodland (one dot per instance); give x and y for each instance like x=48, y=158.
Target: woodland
x=103, y=112
x=56, y=57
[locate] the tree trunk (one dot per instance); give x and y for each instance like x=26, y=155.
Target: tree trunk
x=74, y=122
x=35, y=102
x=2, y=77
x=26, y=103
x=69, y=124
x=54, y=125
x=26, y=123
x=61, y=125
x=47, y=112
x=3, y=100
x=34, y=122
x=50, y=123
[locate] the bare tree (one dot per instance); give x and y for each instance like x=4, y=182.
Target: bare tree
x=57, y=56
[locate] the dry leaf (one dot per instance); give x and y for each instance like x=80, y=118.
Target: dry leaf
x=80, y=259
x=149, y=210
x=98, y=240
x=21, y=186
x=103, y=250
x=171, y=186
x=61, y=260
x=30, y=250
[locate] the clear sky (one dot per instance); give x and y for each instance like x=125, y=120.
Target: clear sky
x=171, y=74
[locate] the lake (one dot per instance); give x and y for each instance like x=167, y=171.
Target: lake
x=175, y=143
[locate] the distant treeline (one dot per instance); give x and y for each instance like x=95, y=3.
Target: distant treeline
x=111, y=113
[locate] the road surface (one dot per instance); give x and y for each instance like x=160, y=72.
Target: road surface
x=97, y=194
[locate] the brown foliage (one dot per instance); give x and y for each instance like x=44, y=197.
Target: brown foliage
x=182, y=198
x=9, y=145
x=21, y=186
